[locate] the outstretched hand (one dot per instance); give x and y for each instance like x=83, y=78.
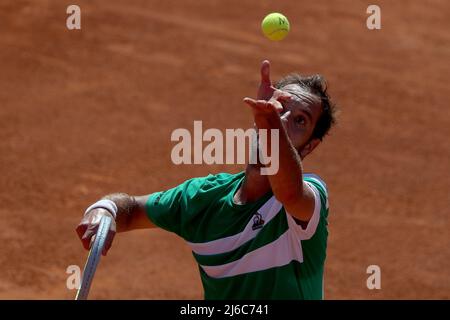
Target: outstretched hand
x=268, y=101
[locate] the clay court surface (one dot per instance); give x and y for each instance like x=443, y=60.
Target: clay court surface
x=89, y=112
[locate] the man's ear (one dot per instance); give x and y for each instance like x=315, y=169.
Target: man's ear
x=309, y=147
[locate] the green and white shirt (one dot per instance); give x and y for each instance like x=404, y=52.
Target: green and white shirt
x=250, y=251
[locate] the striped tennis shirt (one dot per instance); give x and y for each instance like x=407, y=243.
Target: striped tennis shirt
x=250, y=251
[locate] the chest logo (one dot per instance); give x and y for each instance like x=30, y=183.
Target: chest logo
x=258, y=221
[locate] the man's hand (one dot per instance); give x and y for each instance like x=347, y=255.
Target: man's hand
x=269, y=99
x=265, y=90
x=271, y=107
x=88, y=227
x=130, y=215
x=287, y=183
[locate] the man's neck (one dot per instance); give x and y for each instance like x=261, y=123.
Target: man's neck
x=253, y=187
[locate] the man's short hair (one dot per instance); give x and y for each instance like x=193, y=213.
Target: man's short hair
x=316, y=85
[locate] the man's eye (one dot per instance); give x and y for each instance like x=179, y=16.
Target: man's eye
x=300, y=120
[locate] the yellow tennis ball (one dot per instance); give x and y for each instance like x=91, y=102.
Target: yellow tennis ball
x=275, y=26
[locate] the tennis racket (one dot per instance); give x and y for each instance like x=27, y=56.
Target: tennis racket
x=93, y=259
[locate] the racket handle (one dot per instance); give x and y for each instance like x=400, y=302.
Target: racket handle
x=93, y=259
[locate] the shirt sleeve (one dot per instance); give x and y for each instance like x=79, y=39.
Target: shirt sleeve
x=172, y=209
x=319, y=190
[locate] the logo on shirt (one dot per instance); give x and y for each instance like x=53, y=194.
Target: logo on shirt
x=258, y=221
x=158, y=198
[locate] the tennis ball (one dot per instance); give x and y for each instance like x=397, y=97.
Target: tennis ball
x=275, y=26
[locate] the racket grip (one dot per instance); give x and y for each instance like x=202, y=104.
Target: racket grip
x=94, y=256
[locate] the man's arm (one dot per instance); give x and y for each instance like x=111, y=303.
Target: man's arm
x=131, y=212
x=130, y=215
x=287, y=184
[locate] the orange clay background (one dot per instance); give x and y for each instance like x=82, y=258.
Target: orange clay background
x=88, y=112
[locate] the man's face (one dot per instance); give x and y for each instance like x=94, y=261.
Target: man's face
x=301, y=110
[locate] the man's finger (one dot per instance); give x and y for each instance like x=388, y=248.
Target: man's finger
x=251, y=102
x=264, y=106
x=81, y=229
x=87, y=237
x=276, y=105
x=265, y=73
x=259, y=104
x=283, y=95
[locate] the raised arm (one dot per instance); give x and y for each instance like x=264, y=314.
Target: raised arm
x=287, y=183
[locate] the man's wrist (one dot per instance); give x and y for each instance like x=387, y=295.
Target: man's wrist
x=106, y=204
